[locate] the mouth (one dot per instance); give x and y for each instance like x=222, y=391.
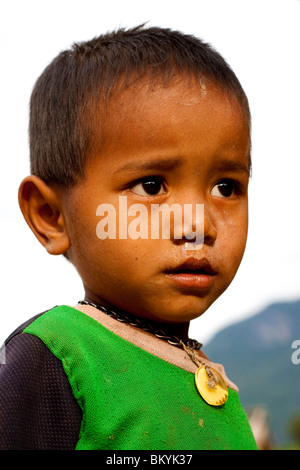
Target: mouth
x=194, y=266
x=193, y=273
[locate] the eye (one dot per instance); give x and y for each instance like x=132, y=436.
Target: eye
x=149, y=186
x=224, y=189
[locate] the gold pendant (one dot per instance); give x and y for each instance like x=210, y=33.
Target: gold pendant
x=211, y=386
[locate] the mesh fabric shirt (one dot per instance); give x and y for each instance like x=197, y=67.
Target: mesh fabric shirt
x=79, y=385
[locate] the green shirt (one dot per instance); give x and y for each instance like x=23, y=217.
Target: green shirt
x=131, y=399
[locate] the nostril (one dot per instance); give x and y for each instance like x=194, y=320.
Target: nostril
x=209, y=240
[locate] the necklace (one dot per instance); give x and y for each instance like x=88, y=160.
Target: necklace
x=210, y=384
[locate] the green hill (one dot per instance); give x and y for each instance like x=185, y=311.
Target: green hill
x=257, y=356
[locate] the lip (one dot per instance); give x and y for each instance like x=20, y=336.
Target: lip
x=193, y=273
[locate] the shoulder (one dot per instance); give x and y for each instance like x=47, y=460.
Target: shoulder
x=38, y=410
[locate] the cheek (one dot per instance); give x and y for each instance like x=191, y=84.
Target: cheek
x=232, y=237
x=123, y=272
x=94, y=256
x=126, y=259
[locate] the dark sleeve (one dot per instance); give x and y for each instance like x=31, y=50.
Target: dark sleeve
x=37, y=408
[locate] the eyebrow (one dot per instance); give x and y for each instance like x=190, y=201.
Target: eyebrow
x=156, y=164
x=229, y=165
x=159, y=164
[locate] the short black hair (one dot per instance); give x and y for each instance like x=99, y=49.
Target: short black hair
x=68, y=91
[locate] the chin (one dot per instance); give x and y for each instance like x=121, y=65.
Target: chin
x=181, y=313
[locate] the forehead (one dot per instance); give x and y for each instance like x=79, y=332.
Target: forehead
x=156, y=115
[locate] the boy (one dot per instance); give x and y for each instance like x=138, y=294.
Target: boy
x=139, y=119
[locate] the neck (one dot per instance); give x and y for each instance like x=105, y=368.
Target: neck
x=179, y=330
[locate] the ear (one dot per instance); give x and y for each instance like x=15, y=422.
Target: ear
x=41, y=208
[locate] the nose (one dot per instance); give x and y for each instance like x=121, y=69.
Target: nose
x=210, y=231
x=197, y=227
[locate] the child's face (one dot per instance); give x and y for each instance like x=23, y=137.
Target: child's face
x=177, y=144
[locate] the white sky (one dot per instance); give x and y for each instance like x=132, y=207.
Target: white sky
x=261, y=41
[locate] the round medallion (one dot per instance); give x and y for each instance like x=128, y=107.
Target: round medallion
x=211, y=386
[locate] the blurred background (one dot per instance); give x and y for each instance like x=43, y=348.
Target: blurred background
x=260, y=39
